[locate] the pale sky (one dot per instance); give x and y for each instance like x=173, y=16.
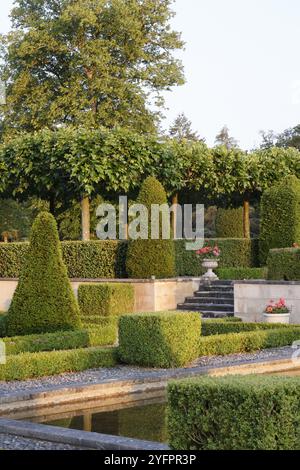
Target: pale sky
x=241, y=64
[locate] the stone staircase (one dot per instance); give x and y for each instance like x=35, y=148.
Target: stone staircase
x=213, y=300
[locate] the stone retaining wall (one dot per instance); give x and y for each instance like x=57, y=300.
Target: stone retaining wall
x=150, y=295
x=251, y=298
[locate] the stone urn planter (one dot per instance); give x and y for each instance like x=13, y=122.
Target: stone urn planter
x=210, y=265
x=277, y=318
x=277, y=312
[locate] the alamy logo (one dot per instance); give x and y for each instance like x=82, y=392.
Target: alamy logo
x=138, y=222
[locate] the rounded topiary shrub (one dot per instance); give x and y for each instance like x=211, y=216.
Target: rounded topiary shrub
x=146, y=258
x=44, y=300
x=229, y=223
x=280, y=217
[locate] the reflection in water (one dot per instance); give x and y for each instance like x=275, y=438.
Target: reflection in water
x=147, y=422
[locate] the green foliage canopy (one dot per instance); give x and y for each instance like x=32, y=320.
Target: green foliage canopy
x=86, y=62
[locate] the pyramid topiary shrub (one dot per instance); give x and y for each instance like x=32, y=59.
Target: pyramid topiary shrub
x=146, y=258
x=280, y=217
x=44, y=300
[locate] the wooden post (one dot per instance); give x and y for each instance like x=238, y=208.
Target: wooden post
x=85, y=219
x=175, y=200
x=246, y=219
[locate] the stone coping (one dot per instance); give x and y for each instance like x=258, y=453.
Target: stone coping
x=129, y=281
x=268, y=283
x=159, y=377
x=82, y=439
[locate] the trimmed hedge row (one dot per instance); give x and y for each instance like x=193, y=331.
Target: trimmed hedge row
x=94, y=259
x=284, y=264
x=236, y=274
x=235, y=253
x=234, y=413
x=159, y=339
x=106, y=299
x=229, y=223
x=32, y=365
x=280, y=216
x=107, y=259
x=231, y=343
x=91, y=335
x=212, y=327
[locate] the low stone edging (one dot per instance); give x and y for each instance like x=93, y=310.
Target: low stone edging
x=81, y=439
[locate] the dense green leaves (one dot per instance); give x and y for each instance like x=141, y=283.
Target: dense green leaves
x=151, y=257
x=107, y=299
x=43, y=301
x=280, y=216
x=284, y=264
x=159, y=339
x=88, y=62
x=229, y=223
x=234, y=413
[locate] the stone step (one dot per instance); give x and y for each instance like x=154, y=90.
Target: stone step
x=219, y=288
x=210, y=300
x=206, y=307
x=221, y=282
x=207, y=313
x=214, y=294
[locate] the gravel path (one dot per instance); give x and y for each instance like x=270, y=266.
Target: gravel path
x=128, y=372
x=9, y=442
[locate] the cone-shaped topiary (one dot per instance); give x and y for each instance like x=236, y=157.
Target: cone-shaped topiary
x=146, y=258
x=44, y=300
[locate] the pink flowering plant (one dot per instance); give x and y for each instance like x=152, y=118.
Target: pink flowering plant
x=277, y=307
x=209, y=252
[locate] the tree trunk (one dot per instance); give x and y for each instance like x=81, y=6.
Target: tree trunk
x=246, y=219
x=85, y=220
x=174, y=215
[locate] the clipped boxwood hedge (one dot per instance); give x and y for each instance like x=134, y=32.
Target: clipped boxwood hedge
x=280, y=216
x=159, y=339
x=229, y=223
x=87, y=260
x=107, y=299
x=231, y=343
x=90, y=335
x=235, y=253
x=213, y=327
x=236, y=274
x=234, y=413
x=284, y=264
x=107, y=259
x=95, y=259
x=32, y=365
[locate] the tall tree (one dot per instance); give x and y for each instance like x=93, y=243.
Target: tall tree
x=181, y=129
x=88, y=62
x=288, y=138
x=223, y=138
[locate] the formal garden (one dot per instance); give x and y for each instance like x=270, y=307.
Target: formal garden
x=51, y=329
x=118, y=342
